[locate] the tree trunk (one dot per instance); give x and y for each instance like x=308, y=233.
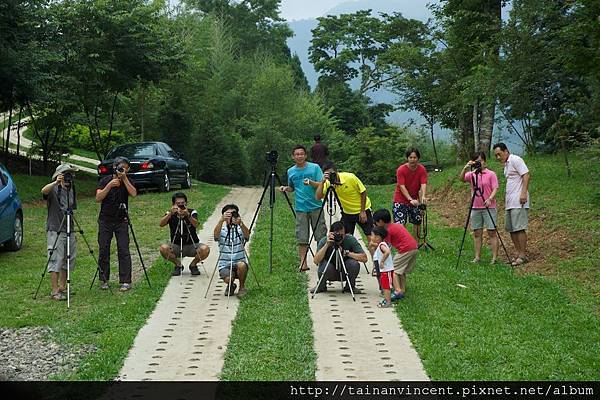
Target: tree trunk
x=437, y=161
x=566, y=156
x=19, y=130
x=142, y=103
x=488, y=114
x=476, y=126
x=465, y=136
x=7, y=142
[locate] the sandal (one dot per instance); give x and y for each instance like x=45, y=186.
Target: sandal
x=384, y=304
x=58, y=296
x=304, y=269
x=519, y=261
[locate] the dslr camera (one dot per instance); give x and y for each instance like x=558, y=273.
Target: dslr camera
x=476, y=165
x=272, y=157
x=120, y=169
x=235, y=214
x=68, y=177
x=181, y=206
x=338, y=237
x=333, y=178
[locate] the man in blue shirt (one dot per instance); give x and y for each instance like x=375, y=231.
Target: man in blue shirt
x=303, y=179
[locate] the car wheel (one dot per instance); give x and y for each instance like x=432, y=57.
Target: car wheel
x=187, y=183
x=166, y=184
x=17, y=240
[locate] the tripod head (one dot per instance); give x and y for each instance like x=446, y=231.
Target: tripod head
x=272, y=157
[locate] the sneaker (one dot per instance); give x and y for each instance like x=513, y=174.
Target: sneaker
x=242, y=292
x=397, y=296
x=318, y=290
x=230, y=289
x=104, y=286
x=384, y=304
x=125, y=287
x=194, y=270
x=176, y=271
x=58, y=296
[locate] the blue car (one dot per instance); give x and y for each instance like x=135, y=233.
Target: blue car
x=11, y=213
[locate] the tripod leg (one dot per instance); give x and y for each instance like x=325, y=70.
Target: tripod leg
x=262, y=196
x=211, y=279
x=323, y=275
x=247, y=257
x=462, y=243
x=138, y=248
x=498, y=234
x=347, y=276
x=49, y=257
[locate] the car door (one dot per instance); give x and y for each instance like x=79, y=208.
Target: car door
x=6, y=223
x=178, y=169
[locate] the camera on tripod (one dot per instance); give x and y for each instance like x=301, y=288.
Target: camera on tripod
x=333, y=178
x=338, y=238
x=422, y=207
x=68, y=177
x=181, y=206
x=272, y=157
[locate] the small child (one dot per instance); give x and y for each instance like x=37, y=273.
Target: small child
x=382, y=258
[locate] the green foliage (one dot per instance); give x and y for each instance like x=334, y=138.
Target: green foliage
x=79, y=137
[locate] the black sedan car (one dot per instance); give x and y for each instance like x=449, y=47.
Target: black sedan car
x=153, y=164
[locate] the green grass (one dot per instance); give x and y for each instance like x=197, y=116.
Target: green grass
x=28, y=134
x=97, y=318
x=504, y=326
x=272, y=333
x=29, y=186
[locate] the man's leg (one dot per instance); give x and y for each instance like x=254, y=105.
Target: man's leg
x=353, y=268
x=514, y=236
x=242, y=271
x=62, y=280
x=54, y=282
x=122, y=235
x=167, y=253
x=201, y=253
x=402, y=282
x=522, y=239
x=477, y=241
x=302, y=237
x=105, y=233
x=493, y=243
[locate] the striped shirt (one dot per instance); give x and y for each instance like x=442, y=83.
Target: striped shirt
x=231, y=246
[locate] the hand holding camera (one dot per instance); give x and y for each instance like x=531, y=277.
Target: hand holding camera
x=115, y=182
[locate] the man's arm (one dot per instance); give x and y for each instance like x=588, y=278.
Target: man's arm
x=320, y=254
x=102, y=193
x=422, y=192
x=129, y=186
x=165, y=219
x=319, y=192
x=523, y=197
x=357, y=253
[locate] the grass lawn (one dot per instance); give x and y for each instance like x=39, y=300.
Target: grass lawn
x=506, y=325
x=109, y=322
x=29, y=186
x=272, y=333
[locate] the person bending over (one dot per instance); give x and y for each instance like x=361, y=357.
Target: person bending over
x=182, y=222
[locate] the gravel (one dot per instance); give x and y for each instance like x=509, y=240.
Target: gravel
x=29, y=354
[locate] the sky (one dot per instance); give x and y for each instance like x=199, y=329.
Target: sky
x=304, y=9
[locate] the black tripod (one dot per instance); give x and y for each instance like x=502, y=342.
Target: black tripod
x=123, y=208
x=339, y=259
x=270, y=185
x=423, y=230
x=229, y=239
x=477, y=191
x=190, y=238
x=67, y=218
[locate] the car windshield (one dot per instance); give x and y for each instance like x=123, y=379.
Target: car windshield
x=138, y=150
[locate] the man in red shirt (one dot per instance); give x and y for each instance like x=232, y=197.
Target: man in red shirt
x=411, y=184
x=406, y=247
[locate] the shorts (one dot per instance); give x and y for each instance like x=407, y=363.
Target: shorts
x=189, y=250
x=480, y=218
x=58, y=259
x=516, y=219
x=306, y=220
x=350, y=221
x=405, y=262
x=403, y=212
x=224, y=271
x=385, y=279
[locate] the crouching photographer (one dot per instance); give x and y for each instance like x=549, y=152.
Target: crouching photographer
x=182, y=222
x=352, y=252
x=231, y=233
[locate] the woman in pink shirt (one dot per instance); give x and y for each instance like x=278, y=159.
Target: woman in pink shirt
x=487, y=183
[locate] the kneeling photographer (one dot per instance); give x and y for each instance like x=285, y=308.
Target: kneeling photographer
x=61, y=199
x=184, y=239
x=231, y=233
x=353, y=254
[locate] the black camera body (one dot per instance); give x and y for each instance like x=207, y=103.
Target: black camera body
x=272, y=157
x=68, y=177
x=235, y=214
x=476, y=165
x=338, y=237
x=422, y=207
x=181, y=206
x=120, y=170
x=333, y=178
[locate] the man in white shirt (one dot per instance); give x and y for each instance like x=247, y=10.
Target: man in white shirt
x=517, y=199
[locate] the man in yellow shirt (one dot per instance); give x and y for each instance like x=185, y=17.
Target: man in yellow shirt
x=356, y=205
